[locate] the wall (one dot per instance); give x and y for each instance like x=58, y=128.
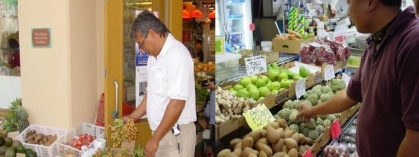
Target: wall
x=100, y=48
x=46, y=84
x=60, y=84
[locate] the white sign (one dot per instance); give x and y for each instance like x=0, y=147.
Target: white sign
x=346, y=78
x=300, y=88
x=10, y=89
x=329, y=72
x=255, y=65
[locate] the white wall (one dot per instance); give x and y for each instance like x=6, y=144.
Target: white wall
x=61, y=84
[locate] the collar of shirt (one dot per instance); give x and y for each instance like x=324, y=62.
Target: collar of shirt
x=166, y=45
x=372, y=49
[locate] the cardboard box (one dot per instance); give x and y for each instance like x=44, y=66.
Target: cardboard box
x=288, y=46
x=225, y=128
x=321, y=141
x=346, y=115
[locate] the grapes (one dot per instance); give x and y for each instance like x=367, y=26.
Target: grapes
x=123, y=132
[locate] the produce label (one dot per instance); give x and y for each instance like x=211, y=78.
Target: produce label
x=255, y=65
x=258, y=117
x=300, y=88
x=335, y=129
x=308, y=154
x=346, y=78
x=329, y=72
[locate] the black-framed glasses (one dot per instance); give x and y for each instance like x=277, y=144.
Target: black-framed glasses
x=142, y=43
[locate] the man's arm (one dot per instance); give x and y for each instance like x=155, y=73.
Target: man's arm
x=409, y=145
x=170, y=117
x=338, y=103
x=139, y=111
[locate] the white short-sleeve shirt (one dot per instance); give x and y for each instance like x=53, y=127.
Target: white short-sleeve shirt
x=170, y=76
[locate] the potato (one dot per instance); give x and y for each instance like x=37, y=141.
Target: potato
x=272, y=135
x=262, y=154
x=262, y=133
x=262, y=140
x=290, y=143
x=231, y=154
x=252, y=155
x=296, y=137
x=302, y=149
x=293, y=153
x=265, y=148
x=288, y=133
x=280, y=132
x=223, y=153
x=234, y=142
x=302, y=139
x=247, y=142
x=239, y=145
x=307, y=147
x=279, y=154
x=238, y=151
x=277, y=147
x=309, y=141
x=255, y=135
x=274, y=125
x=282, y=123
x=248, y=151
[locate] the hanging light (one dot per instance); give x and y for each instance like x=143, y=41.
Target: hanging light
x=196, y=13
x=185, y=13
x=212, y=15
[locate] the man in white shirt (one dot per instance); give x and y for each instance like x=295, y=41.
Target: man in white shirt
x=170, y=99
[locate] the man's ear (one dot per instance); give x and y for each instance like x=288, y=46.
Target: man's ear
x=372, y=5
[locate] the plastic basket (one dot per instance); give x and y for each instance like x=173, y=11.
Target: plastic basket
x=42, y=151
x=91, y=129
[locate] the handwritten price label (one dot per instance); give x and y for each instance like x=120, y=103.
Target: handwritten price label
x=258, y=117
x=335, y=129
x=255, y=65
x=329, y=72
x=300, y=88
x=308, y=154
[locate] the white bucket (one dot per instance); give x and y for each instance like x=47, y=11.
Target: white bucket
x=266, y=45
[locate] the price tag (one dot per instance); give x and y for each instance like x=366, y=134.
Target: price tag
x=258, y=117
x=335, y=129
x=308, y=154
x=329, y=72
x=252, y=26
x=300, y=88
x=346, y=78
x=255, y=65
x=13, y=134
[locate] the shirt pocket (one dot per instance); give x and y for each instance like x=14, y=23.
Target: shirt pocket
x=157, y=84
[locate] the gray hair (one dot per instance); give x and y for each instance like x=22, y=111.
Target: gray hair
x=145, y=21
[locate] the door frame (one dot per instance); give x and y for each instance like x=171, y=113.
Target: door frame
x=170, y=14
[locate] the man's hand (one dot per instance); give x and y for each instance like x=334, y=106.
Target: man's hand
x=210, y=85
x=126, y=118
x=151, y=147
x=305, y=112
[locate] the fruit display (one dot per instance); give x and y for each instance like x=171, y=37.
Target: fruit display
x=324, y=51
x=276, y=139
x=206, y=67
x=348, y=138
x=121, y=132
x=314, y=126
x=10, y=147
x=17, y=118
x=32, y=137
x=256, y=87
x=228, y=106
x=81, y=140
x=336, y=150
x=137, y=152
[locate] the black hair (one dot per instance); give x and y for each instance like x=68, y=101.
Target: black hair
x=198, y=41
x=396, y=3
x=145, y=21
x=12, y=43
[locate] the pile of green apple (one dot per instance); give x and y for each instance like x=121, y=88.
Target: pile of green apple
x=256, y=87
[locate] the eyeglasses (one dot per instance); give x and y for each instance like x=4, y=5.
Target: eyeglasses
x=142, y=43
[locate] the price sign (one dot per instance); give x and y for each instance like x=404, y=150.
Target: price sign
x=335, y=129
x=255, y=65
x=329, y=72
x=300, y=88
x=346, y=78
x=258, y=117
x=308, y=154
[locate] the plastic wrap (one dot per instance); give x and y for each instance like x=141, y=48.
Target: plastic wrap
x=317, y=54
